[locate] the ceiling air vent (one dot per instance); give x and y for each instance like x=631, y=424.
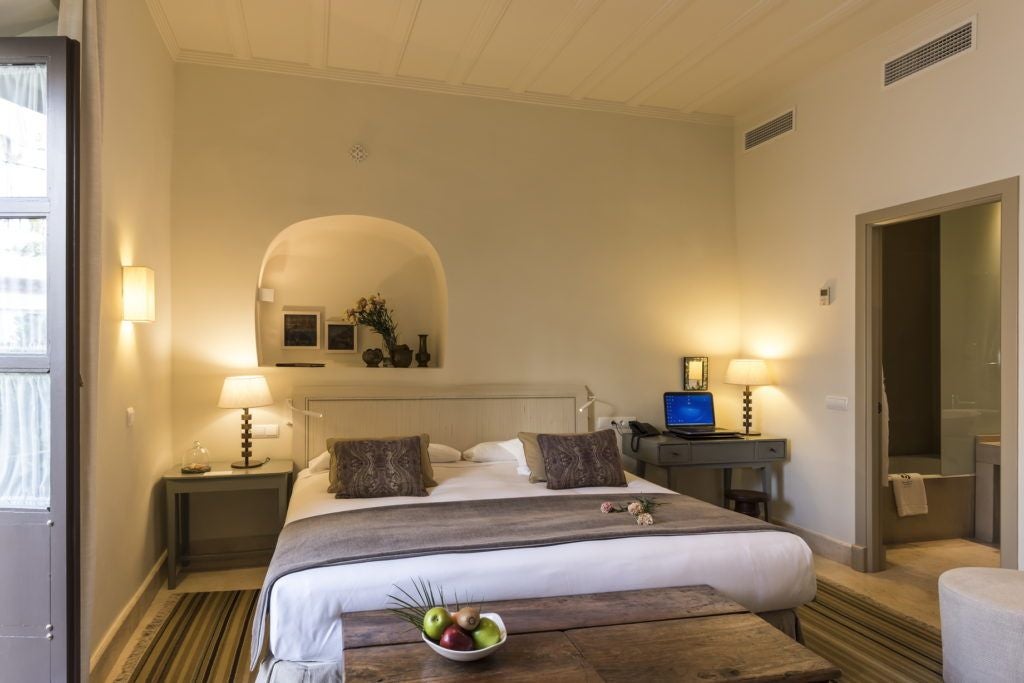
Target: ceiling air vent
x=960, y=39
x=766, y=131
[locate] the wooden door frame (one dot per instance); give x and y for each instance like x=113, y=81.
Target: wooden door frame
x=868, y=551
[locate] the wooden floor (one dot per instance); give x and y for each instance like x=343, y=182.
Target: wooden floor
x=910, y=583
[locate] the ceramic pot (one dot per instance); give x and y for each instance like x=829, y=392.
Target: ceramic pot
x=373, y=357
x=422, y=357
x=401, y=356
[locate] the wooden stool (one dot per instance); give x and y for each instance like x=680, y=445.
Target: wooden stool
x=748, y=502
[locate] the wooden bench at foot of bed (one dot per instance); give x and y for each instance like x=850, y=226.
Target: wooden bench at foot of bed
x=678, y=634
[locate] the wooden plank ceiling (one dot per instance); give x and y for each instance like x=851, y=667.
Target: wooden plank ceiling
x=699, y=60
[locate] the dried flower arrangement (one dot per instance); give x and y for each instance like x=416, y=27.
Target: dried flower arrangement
x=641, y=508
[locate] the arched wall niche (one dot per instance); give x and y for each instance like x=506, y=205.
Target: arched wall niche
x=326, y=264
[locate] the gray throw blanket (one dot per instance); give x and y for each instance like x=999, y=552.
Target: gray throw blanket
x=389, y=533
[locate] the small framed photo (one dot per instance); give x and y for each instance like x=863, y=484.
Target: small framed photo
x=695, y=373
x=301, y=329
x=341, y=337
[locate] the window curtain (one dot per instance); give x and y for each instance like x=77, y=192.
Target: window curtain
x=25, y=440
x=22, y=130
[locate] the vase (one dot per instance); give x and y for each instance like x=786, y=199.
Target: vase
x=373, y=357
x=422, y=357
x=401, y=356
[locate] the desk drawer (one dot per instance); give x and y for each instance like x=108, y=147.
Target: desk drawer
x=770, y=450
x=674, y=454
x=730, y=451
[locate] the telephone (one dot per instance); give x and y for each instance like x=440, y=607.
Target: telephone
x=640, y=430
x=643, y=429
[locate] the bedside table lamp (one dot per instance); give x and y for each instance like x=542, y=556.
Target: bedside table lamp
x=747, y=372
x=245, y=391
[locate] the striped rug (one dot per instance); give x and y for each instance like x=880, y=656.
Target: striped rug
x=196, y=637
x=204, y=638
x=868, y=641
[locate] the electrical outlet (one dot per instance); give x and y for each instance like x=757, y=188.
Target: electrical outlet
x=619, y=423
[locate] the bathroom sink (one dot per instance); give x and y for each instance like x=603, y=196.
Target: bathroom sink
x=987, y=452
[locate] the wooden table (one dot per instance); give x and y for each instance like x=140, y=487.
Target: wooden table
x=668, y=634
x=274, y=474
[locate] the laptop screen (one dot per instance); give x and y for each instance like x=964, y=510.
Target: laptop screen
x=689, y=409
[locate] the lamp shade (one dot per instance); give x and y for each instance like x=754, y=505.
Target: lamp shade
x=245, y=391
x=747, y=372
x=138, y=294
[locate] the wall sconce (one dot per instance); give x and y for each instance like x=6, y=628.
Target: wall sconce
x=138, y=293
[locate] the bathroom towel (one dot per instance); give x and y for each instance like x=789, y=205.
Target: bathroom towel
x=909, y=492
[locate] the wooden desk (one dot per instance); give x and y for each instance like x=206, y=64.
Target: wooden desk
x=275, y=475
x=666, y=634
x=755, y=452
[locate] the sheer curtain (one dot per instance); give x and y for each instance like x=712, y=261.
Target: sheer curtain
x=22, y=130
x=25, y=440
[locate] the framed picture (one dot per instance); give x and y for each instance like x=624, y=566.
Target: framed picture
x=695, y=373
x=341, y=337
x=301, y=329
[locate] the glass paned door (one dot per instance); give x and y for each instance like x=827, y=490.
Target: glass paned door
x=39, y=613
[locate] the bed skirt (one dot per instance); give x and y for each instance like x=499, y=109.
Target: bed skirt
x=282, y=671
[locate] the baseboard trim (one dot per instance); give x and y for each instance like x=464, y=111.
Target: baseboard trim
x=117, y=636
x=823, y=545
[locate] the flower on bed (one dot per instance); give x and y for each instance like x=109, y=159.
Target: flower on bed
x=640, y=508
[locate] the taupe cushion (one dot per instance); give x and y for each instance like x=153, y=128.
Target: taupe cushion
x=581, y=460
x=337, y=462
x=534, y=459
x=377, y=468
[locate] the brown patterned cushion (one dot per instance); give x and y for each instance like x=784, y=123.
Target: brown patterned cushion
x=337, y=462
x=377, y=468
x=573, y=461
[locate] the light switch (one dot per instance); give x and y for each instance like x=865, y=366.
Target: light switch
x=129, y=416
x=270, y=431
x=836, y=402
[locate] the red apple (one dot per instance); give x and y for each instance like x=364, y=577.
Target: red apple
x=454, y=638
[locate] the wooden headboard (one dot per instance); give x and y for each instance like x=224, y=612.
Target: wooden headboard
x=457, y=416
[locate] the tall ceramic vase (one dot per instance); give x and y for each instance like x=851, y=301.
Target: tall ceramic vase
x=422, y=357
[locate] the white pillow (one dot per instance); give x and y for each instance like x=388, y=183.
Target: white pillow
x=498, y=451
x=320, y=463
x=441, y=453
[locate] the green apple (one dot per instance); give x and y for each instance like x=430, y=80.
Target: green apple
x=486, y=634
x=435, y=621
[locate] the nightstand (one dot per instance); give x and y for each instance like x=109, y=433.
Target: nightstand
x=755, y=452
x=275, y=475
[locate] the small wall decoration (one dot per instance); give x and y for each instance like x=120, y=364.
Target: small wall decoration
x=341, y=337
x=301, y=329
x=695, y=373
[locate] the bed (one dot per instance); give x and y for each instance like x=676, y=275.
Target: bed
x=767, y=571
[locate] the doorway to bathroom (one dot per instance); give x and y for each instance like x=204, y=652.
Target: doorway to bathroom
x=937, y=383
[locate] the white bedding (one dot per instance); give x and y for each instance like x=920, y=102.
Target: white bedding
x=764, y=571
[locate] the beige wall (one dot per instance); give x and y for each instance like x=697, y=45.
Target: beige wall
x=124, y=536
x=857, y=148
x=577, y=246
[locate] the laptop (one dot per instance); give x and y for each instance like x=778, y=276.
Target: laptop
x=691, y=415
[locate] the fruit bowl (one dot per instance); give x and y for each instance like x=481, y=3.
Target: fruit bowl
x=471, y=655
